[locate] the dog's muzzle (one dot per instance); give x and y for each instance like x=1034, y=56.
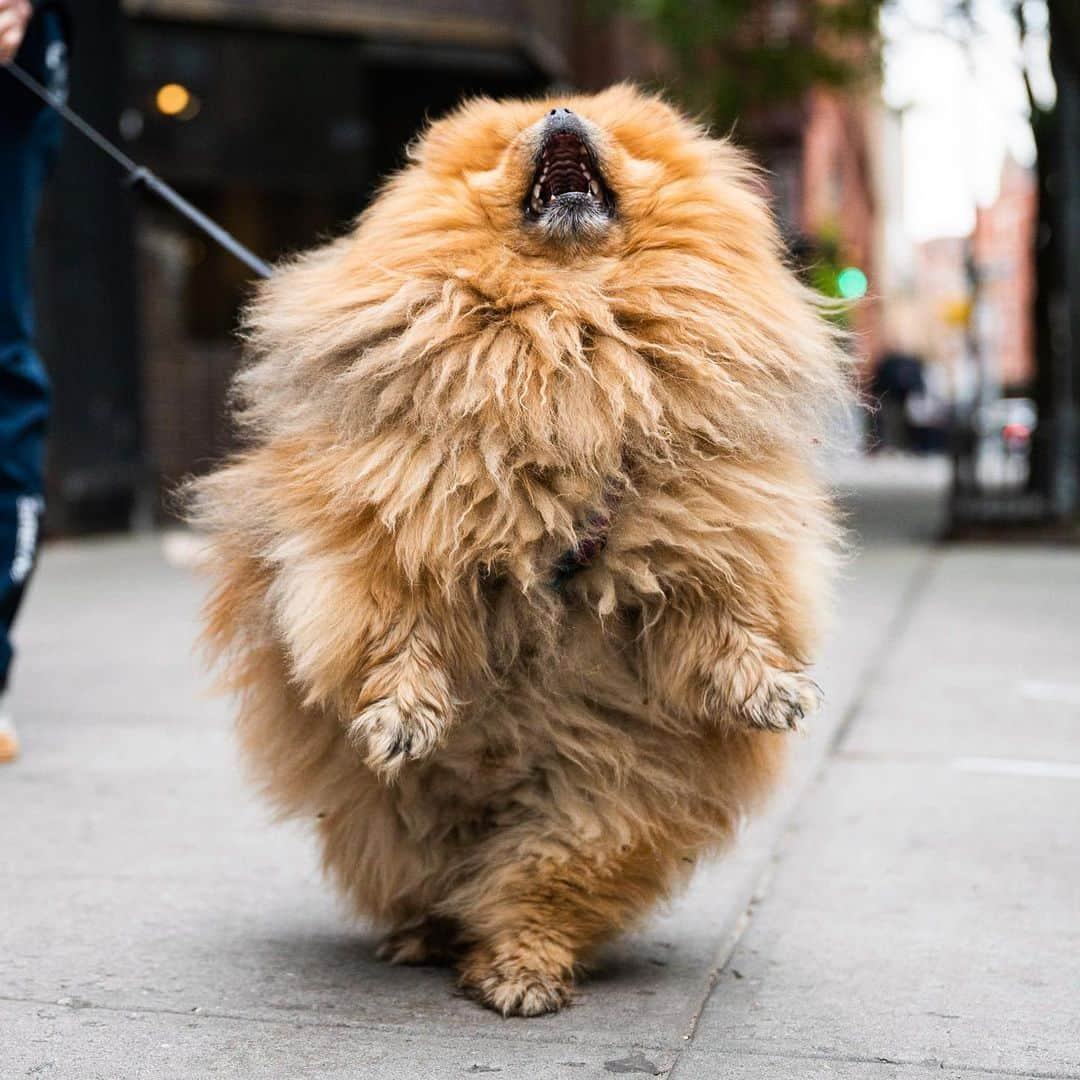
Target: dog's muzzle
x=568, y=194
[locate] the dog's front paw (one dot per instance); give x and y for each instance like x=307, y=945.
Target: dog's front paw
x=390, y=733
x=780, y=702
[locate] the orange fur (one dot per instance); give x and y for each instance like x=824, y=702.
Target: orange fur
x=433, y=406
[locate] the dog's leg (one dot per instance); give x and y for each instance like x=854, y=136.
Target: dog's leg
x=716, y=665
x=428, y=940
x=387, y=656
x=532, y=918
x=727, y=563
x=403, y=704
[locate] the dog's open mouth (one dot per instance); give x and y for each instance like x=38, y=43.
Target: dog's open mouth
x=567, y=177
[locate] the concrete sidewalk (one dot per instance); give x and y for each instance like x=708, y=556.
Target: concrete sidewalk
x=911, y=907
x=924, y=914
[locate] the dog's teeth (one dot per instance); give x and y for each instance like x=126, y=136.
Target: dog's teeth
x=535, y=204
x=594, y=187
x=536, y=191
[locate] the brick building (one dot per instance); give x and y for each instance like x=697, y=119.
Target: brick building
x=838, y=197
x=1000, y=251
x=940, y=310
x=1004, y=248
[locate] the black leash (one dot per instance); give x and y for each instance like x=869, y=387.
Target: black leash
x=139, y=174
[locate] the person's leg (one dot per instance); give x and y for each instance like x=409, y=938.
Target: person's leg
x=27, y=146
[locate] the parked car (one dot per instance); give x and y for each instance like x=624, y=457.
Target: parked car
x=1004, y=429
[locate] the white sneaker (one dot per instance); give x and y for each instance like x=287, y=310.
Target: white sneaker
x=9, y=739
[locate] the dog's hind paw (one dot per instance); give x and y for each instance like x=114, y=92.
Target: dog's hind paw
x=426, y=941
x=513, y=989
x=782, y=701
x=389, y=734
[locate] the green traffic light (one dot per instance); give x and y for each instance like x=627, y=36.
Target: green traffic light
x=851, y=283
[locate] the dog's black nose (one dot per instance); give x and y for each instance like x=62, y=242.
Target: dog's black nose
x=563, y=120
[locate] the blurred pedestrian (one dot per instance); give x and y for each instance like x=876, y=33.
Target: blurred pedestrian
x=897, y=377
x=33, y=34
x=928, y=413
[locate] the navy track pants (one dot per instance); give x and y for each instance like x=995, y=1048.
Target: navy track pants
x=29, y=135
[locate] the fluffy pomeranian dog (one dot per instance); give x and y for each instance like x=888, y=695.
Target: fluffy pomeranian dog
x=520, y=567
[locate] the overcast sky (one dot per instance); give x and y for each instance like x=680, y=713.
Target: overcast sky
x=964, y=105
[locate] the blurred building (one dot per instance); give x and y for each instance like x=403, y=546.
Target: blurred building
x=1004, y=250
x=974, y=295
x=839, y=197
x=943, y=303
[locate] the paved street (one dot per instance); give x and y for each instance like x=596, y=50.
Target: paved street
x=909, y=906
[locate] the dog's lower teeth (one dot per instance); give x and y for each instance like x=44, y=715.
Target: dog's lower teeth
x=535, y=204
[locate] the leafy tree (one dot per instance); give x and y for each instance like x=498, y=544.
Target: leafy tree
x=728, y=58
